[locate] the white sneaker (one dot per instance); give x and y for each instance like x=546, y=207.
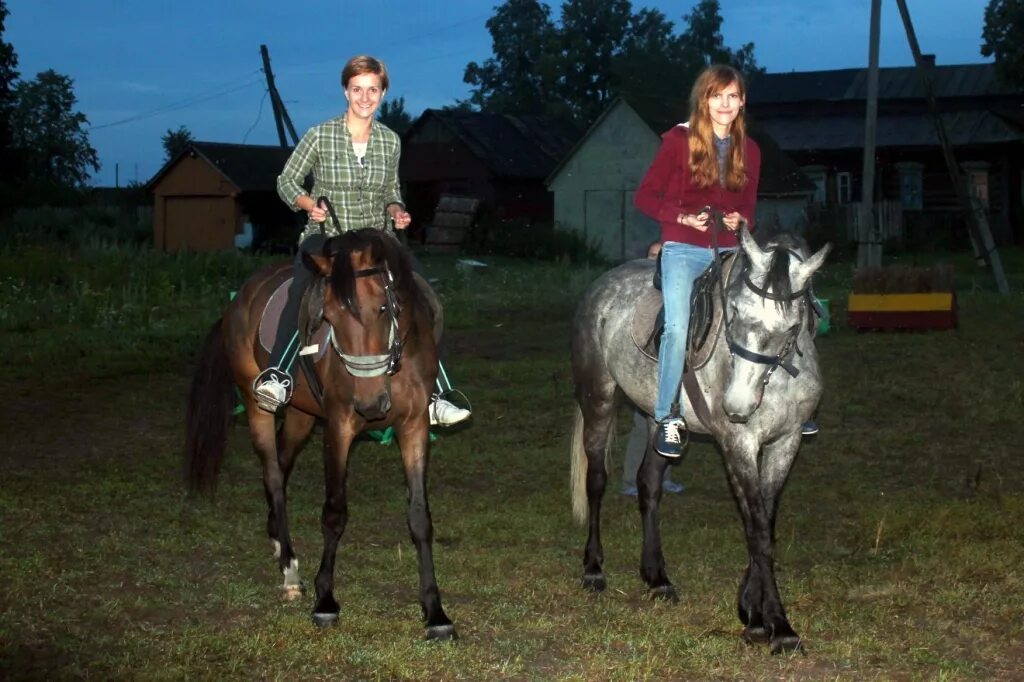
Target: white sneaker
x=444, y=413
x=271, y=389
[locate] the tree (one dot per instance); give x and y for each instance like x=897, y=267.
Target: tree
x=392, y=114
x=1003, y=38
x=8, y=75
x=520, y=77
x=601, y=49
x=51, y=134
x=176, y=141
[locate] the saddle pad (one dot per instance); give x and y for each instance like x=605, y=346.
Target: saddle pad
x=645, y=316
x=648, y=320
x=271, y=320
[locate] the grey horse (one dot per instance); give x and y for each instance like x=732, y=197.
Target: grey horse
x=753, y=412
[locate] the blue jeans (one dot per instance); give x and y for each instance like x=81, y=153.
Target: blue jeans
x=681, y=264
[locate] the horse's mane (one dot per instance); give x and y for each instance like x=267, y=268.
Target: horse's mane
x=782, y=247
x=384, y=249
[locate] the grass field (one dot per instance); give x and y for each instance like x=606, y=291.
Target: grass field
x=899, y=535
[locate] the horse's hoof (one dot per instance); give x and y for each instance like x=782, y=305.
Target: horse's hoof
x=292, y=593
x=756, y=635
x=441, y=633
x=325, y=620
x=663, y=593
x=594, y=582
x=786, y=644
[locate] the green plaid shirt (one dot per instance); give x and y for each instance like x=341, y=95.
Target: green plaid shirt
x=360, y=193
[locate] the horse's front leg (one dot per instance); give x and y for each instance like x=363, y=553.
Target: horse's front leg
x=261, y=431
x=292, y=434
x=652, y=561
x=338, y=436
x=760, y=605
x=413, y=439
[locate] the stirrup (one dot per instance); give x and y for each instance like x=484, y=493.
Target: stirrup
x=272, y=388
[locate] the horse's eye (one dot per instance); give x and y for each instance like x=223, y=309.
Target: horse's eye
x=383, y=309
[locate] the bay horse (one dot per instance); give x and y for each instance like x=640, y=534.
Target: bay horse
x=378, y=370
x=753, y=413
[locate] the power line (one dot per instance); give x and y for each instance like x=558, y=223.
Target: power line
x=258, y=115
x=191, y=100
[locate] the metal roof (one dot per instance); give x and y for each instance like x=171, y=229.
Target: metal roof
x=250, y=167
x=511, y=146
x=802, y=133
x=957, y=80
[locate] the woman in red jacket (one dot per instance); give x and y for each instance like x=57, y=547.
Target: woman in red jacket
x=708, y=162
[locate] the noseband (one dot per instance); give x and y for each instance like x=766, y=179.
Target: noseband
x=387, y=363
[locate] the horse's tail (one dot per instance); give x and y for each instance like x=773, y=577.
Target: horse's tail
x=579, y=466
x=209, y=413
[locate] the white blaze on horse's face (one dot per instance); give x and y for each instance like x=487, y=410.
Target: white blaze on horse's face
x=762, y=326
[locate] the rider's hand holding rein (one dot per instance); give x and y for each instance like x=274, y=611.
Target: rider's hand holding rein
x=400, y=216
x=733, y=221
x=698, y=221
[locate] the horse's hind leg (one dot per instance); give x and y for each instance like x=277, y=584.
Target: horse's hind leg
x=598, y=417
x=414, y=443
x=652, y=561
x=291, y=436
x=757, y=492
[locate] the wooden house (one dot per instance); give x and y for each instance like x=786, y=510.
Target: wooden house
x=594, y=184
x=501, y=160
x=215, y=196
x=818, y=118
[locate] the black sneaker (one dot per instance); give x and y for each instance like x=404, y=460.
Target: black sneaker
x=670, y=438
x=809, y=428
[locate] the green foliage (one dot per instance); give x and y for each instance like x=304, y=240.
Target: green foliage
x=392, y=113
x=51, y=134
x=537, y=241
x=1003, y=38
x=599, y=50
x=77, y=228
x=8, y=75
x=176, y=141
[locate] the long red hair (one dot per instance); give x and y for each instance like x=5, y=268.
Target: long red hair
x=703, y=157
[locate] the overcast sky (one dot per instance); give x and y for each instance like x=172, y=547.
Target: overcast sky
x=142, y=67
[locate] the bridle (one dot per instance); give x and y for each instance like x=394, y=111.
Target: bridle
x=784, y=358
x=386, y=363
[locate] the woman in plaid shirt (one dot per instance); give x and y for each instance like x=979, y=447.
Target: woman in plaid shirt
x=353, y=160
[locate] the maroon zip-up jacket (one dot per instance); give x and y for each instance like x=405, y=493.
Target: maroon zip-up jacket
x=667, y=190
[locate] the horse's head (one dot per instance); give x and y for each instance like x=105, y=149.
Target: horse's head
x=766, y=307
x=364, y=272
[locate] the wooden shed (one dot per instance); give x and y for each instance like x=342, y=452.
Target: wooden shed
x=594, y=184
x=213, y=192
x=500, y=159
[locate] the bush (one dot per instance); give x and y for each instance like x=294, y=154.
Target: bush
x=76, y=228
x=537, y=241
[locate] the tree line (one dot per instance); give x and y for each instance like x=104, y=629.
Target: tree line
x=571, y=68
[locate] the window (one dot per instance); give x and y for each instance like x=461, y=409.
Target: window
x=911, y=186
x=816, y=174
x=844, y=185
x=976, y=175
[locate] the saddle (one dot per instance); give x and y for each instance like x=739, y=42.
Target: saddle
x=705, y=319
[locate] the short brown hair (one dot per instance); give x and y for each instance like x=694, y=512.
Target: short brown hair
x=363, y=64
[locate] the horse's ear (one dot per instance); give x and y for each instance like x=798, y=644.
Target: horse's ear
x=758, y=258
x=316, y=263
x=803, y=271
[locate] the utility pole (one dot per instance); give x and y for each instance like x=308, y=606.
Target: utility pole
x=281, y=118
x=977, y=222
x=869, y=248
